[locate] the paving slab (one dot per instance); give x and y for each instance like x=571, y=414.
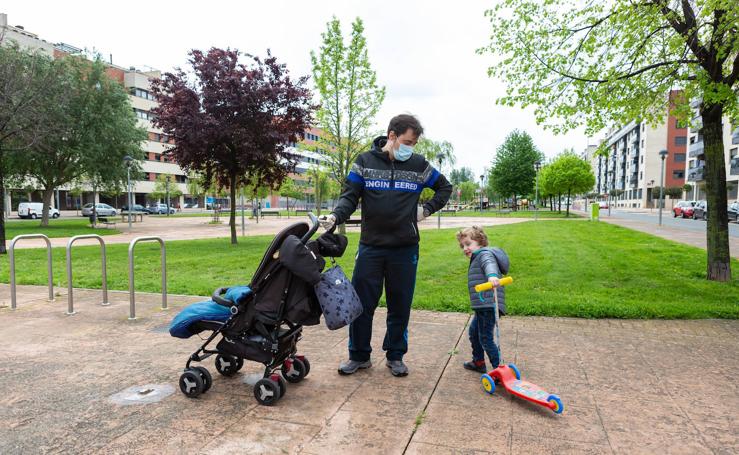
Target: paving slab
x=627, y=386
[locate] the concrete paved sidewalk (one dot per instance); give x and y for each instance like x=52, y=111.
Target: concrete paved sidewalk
x=628, y=387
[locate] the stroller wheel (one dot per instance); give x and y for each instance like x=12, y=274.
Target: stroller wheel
x=191, y=383
x=281, y=382
x=293, y=370
x=207, y=378
x=227, y=365
x=267, y=392
x=305, y=361
x=239, y=363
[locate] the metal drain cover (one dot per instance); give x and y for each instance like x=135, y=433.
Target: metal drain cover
x=142, y=394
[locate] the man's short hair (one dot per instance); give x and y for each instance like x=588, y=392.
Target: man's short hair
x=402, y=123
x=474, y=233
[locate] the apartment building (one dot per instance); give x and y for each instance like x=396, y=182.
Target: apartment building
x=634, y=163
x=695, y=164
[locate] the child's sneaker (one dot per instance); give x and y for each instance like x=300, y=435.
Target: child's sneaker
x=475, y=365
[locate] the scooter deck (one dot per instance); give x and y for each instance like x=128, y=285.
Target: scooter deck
x=509, y=379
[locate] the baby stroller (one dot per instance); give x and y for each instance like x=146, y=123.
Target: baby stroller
x=262, y=322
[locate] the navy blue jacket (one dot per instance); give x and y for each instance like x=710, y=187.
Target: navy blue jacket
x=389, y=191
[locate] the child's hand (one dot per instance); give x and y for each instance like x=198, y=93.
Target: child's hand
x=495, y=281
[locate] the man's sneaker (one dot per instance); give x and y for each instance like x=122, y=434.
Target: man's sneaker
x=397, y=367
x=351, y=366
x=475, y=365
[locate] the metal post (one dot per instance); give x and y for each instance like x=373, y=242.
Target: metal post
x=70, y=290
x=662, y=154
x=11, y=253
x=166, y=178
x=537, y=166
x=242, y=214
x=130, y=202
x=131, y=291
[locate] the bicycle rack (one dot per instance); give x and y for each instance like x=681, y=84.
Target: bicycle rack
x=131, y=290
x=70, y=296
x=11, y=253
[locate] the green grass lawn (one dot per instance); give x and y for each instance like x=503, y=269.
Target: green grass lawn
x=516, y=214
x=56, y=228
x=579, y=269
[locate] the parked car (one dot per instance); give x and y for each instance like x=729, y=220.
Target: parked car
x=100, y=208
x=191, y=205
x=687, y=212
x=603, y=205
x=160, y=209
x=137, y=208
x=680, y=206
x=34, y=210
x=734, y=211
x=700, y=211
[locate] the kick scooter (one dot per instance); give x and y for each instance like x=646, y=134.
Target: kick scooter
x=508, y=375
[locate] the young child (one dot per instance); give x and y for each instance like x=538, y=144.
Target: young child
x=483, y=267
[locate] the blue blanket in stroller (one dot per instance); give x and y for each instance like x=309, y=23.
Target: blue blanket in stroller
x=205, y=311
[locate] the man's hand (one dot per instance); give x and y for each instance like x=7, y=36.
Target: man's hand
x=495, y=281
x=327, y=222
x=421, y=214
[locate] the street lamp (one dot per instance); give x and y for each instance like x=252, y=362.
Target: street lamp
x=439, y=158
x=663, y=155
x=482, y=186
x=128, y=160
x=537, y=166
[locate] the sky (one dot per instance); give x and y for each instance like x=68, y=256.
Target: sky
x=423, y=53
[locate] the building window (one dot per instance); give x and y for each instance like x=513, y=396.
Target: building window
x=681, y=140
x=141, y=93
x=642, y=143
x=143, y=115
x=732, y=153
x=679, y=157
x=641, y=175
x=678, y=174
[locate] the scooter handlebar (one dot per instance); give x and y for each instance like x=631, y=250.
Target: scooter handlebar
x=488, y=286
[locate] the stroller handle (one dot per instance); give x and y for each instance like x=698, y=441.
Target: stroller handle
x=313, y=229
x=488, y=286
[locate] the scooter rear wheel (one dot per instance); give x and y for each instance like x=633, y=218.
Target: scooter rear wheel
x=488, y=384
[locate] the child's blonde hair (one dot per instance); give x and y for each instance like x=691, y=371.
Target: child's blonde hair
x=474, y=233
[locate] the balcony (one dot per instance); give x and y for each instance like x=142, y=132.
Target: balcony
x=633, y=180
x=734, y=166
x=735, y=136
x=696, y=174
x=696, y=103
x=695, y=149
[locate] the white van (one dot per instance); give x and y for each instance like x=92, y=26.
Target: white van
x=34, y=210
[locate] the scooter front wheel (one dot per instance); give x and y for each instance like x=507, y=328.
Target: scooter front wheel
x=556, y=404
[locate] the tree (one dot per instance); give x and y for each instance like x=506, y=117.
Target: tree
x=612, y=62
x=166, y=188
x=467, y=190
x=350, y=96
x=463, y=174
x=513, y=167
x=687, y=188
x=24, y=80
x=437, y=153
x=90, y=128
x=232, y=121
x=571, y=175
x=290, y=190
x=196, y=187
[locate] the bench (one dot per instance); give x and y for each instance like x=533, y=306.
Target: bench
x=297, y=211
x=104, y=221
x=452, y=211
x=353, y=222
x=503, y=211
x=134, y=215
x=271, y=212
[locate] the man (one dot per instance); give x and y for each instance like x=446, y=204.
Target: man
x=388, y=180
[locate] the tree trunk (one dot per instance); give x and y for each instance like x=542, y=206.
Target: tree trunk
x=568, y=204
x=717, y=232
x=3, y=249
x=47, y=194
x=232, y=217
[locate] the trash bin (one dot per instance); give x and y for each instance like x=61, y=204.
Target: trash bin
x=594, y=211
